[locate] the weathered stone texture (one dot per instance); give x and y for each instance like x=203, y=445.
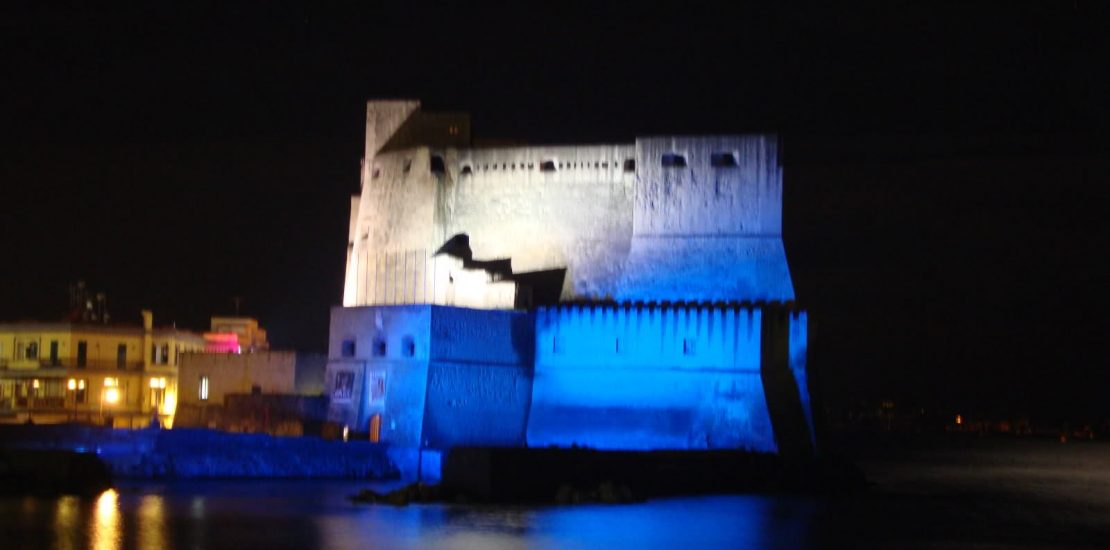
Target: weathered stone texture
x=622, y=222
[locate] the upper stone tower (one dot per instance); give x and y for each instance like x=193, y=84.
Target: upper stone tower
x=708, y=221
x=664, y=218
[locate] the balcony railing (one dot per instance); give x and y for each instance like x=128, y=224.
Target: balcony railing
x=39, y=402
x=70, y=363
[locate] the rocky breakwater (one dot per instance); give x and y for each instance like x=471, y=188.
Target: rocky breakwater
x=201, y=454
x=45, y=472
x=194, y=454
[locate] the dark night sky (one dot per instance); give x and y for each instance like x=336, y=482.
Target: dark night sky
x=945, y=164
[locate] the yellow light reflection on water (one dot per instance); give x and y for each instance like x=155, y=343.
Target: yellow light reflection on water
x=67, y=522
x=152, y=523
x=105, y=531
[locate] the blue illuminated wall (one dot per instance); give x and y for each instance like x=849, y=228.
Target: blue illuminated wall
x=604, y=376
x=480, y=380
x=649, y=377
x=435, y=376
x=799, y=336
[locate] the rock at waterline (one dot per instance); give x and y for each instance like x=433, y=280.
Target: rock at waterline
x=605, y=493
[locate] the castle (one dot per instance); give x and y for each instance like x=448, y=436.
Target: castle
x=620, y=296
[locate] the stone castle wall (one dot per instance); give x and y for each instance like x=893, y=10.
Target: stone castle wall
x=643, y=376
x=649, y=377
x=624, y=225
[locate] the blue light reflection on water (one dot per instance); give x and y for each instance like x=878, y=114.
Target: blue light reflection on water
x=303, y=514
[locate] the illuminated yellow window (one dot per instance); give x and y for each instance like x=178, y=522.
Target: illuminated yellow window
x=157, y=391
x=77, y=386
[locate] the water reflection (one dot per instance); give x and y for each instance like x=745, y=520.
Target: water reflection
x=704, y=522
x=67, y=522
x=105, y=531
x=152, y=523
x=317, y=515
x=196, y=508
x=197, y=513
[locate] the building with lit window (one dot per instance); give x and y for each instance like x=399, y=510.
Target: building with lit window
x=119, y=375
x=617, y=296
x=265, y=391
x=235, y=335
x=239, y=384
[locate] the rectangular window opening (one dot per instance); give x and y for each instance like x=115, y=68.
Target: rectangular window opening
x=674, y=160
x=377, y=387
x=344, y=385
x=348, y=348
x=437, y=166
x=80, y=395
x=723, y=160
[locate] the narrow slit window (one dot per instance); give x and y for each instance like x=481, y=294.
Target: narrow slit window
x=723, y=160
x=688, y=347
x=437, y=165
x=379, y=347
x=408, y=346
x=674, y=160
